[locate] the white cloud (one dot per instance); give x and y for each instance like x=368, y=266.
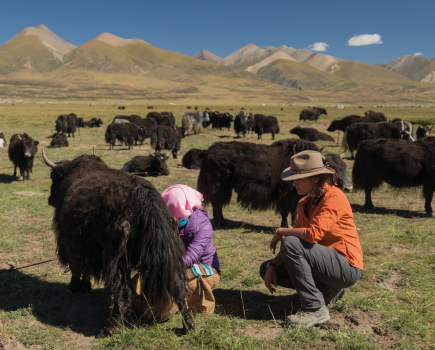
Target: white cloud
x=318, y=47
x=365, y=39
x=418, y=54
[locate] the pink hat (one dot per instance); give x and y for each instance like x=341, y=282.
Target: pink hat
x=181, y=200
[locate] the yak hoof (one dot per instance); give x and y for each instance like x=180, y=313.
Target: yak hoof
x=430, y=214
x=188, y=325
x=368, y=210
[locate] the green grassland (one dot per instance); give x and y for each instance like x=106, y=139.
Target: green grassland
x=391, y=307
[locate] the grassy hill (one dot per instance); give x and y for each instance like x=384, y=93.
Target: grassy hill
x=414, y=67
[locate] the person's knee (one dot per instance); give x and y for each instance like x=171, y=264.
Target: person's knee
x=263, y=269
x=290, y=245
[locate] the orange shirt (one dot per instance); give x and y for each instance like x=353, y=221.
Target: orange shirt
x=331, y=224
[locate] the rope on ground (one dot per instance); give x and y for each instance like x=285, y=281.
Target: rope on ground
x=23, y=267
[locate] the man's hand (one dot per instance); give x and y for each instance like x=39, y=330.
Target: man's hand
x=270, y=279
x=275, y=239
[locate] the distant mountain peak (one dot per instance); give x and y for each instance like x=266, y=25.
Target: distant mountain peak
x=208, y=56
x=116, y=41
x=50, y=40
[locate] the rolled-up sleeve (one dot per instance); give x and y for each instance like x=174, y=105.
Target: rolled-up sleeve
x=325, y=218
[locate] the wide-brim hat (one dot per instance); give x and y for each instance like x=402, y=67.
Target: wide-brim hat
x=306, y=164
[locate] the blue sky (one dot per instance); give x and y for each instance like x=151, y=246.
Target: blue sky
x=224, y=26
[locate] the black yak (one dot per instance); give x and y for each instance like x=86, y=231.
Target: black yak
x=423, y=130
x=125, y=119
x=22, y=150
x=312, y=113
x=241, y=124
x=193, y=158
x=125, y=133
x=92, y=123
x=59, y=140
x=374, y=117
x=67, y=124
x=109, y=223
x=163, y=118
x=263, y=124
x=310, y=134
x=224, y=120
x=342, y=124
x=167, y=137
x=399, y=163
x=358, y=132
x=152, y=165
x=253, y=171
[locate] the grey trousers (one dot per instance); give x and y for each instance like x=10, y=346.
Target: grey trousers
x=309, y=267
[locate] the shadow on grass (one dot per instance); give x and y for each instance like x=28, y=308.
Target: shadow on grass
x=255, y=304
x=245, y=225
x=7, y=179
x=52, y=304
x=408, y=214
x=224, y=136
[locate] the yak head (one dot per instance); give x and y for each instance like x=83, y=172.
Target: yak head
x=296, y=130
x=335, y=161
x=323, y=111
x=159, y=162
x=28, y=145
x=333, y=126
x=100, y=121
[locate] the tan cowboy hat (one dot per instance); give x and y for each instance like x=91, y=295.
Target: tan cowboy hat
x=305, y=164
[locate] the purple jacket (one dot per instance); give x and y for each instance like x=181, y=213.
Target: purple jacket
x=197, y=237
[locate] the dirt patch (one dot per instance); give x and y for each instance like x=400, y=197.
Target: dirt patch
x=28, y=193
x=357, y=320
x=10, y=343
x=33, y=221
x=270, y=332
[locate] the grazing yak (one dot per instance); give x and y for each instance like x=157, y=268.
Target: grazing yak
x=423, y=130
x=92, y=123
x=3, y=142
x=67, y=124
x=125, y=133
x=358, y=132
x=109, y=223
x=399, y=163
x=263, y=124
x=167, y=137
x=59, y=140
x=22, y=150
x=312, y=113
x=193, y=158
x=163, y=118
x=253, y=171
x=152, y=165
x=193, y=121
x=310, y=134
x=342, y=124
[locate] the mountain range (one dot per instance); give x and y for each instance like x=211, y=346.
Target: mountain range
x=36, y=63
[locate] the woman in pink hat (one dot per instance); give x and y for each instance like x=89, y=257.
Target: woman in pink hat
x=196, y=233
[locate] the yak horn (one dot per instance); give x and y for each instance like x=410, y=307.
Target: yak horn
x=343, y=153
x=322, y=149
x=20, y=137
x=47, y=161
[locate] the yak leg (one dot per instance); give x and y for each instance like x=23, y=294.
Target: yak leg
x=218, y=215
x=428, y=195
x=368, y=205
x=352, y=156
x=15, y=171
x=273, y=136
x=27, y=173
x=188, y=324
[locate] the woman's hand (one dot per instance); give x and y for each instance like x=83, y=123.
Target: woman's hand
x=270, y=279
x=275, y=239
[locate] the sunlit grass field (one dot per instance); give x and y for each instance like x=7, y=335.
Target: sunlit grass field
x=391, y=307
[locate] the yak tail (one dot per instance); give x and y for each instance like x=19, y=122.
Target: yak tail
x=324, y=137
x=154, y=138
x=344, y=140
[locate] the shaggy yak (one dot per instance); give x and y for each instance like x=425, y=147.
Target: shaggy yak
x=152, y=165
x=254, y=172
x=264, y=124
x=242, y=124
x=109, y=223
x=312, y=113
x=167, y=137
x=342, y=124
x=310, y=134
x=404, y=125
x=125, y=133
x=22, y=150
x=92, y=123
x=423, y=130
x=358, y=132
x=163, y=118
x=125, y=119
x=59, y=140
x=193, y=158
x=399, y=163
x=374, y=117
x=193, y=121
x=67, y=124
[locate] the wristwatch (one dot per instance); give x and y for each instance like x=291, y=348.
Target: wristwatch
x=271, y=263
